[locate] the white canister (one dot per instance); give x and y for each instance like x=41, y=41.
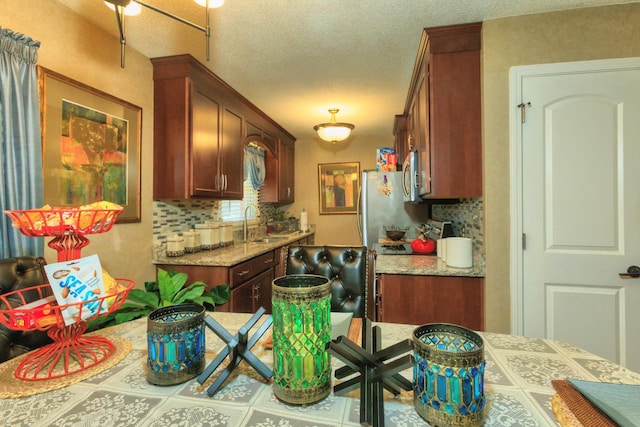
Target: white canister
x=206, y=236
x=442, y=249
x=459, y=252
x=175, y=246
x=304, y=221
x=191, y=241
x=226, y=234
x=215, y=234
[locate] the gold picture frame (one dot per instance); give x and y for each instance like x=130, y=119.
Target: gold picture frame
x=90, y=146
x=339, y=184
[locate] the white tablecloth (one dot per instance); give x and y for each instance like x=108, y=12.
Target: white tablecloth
x=517, y=383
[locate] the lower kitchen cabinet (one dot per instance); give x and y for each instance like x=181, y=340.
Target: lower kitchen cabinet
x=253, y=294
x=250, y=281
x=417, y=300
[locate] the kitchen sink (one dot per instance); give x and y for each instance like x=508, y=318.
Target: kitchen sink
x=269, y=240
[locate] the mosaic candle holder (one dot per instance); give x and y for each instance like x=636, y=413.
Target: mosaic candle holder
x=448, y=375
x=175, y=344
x=301, y=331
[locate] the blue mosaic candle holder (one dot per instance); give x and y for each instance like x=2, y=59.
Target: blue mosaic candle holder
x=175, y=344
x=301, y=332
x=448, y=375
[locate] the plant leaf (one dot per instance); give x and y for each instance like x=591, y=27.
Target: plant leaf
x=207, y=302
x=130, y=315
x=189, y=293
x=143, y=297
x=169, y=284
x=220, y=294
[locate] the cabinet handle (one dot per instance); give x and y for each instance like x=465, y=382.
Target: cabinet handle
x=256, y=291
x=268, y=261
x=243, y=273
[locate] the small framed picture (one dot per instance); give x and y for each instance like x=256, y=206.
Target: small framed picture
x=338, y=187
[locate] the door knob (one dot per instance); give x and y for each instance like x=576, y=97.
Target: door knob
x=633, y=271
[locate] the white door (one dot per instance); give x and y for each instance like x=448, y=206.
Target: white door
x=580, y=205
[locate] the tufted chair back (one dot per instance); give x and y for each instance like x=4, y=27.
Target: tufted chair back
x=19, y=273
x=350, y=268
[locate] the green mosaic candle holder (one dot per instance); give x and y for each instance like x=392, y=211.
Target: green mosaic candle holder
x=301, y=331
x=175, y=344
x=448, y=375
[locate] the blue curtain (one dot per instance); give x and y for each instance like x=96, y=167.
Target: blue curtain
x=254, y=166
x=21, y=185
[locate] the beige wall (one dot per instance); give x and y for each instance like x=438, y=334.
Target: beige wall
x=331, y=229
x=71, y=46
x=586, y=34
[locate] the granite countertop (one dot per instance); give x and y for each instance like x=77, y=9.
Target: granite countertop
x=232, y=255
x=426, y=265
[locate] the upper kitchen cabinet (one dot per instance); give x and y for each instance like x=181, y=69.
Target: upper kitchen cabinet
x=401, y=143
x=201, y=126
x=198, y=132
x=443, y=112
x=278, y=183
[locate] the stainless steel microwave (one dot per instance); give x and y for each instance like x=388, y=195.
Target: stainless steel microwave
x=411, y=178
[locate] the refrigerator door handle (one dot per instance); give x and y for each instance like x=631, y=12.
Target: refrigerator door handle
x=358, y=214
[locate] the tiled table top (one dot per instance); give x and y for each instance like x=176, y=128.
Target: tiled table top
x=517, y=383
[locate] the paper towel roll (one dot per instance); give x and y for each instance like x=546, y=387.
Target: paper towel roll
x=442, y=249
x=459, y=252
x=303, y=221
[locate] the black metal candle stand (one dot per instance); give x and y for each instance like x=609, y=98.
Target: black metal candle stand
x=238, y=348
x=372, y=374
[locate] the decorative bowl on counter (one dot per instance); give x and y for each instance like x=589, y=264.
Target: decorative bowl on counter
x=394, y=233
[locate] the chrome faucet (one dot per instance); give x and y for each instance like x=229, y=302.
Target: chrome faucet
x=245, y=227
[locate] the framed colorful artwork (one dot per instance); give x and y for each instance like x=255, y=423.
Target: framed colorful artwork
x=90, y=145
x=339, y=184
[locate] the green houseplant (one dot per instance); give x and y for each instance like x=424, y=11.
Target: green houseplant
x=170, y=289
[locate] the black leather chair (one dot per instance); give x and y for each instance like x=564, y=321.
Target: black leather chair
x=19, y=273
x=350, y=268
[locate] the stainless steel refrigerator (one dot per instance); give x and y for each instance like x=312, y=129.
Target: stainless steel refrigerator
x=382, y=203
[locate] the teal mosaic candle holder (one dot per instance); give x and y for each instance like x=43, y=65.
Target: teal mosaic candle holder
x=448, y=375
x=301, y=331
x=175, y=344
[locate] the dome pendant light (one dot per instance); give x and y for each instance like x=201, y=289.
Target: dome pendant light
x=333, y=131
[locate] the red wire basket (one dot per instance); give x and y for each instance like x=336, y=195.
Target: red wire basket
x=70, y=351
x=68, y=226
x=59, y=221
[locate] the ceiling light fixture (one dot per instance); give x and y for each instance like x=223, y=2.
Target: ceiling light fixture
x=127, y=7
x=333, y=131
x=212, y=3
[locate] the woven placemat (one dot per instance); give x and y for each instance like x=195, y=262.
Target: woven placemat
x=572, y=409
x=11, y=387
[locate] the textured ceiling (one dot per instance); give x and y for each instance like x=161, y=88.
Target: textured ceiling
x=296, y=58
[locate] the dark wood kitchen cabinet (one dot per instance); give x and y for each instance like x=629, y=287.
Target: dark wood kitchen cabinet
x=401, y=143
x=417, y=300
x=198, y=132
x=286, y=172
x=443, y=111
x=250, y=281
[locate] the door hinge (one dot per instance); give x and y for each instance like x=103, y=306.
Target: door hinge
x=524, y=241
x=522, y=107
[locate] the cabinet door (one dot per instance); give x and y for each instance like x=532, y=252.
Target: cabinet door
x=423, y=133
x=242, y=298
x=262, y=290
x=232, y=155
x=418, y=300
x=253, y=294
x=286, y=173
x=205, y=154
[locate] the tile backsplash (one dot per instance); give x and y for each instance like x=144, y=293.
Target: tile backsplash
x=466, y=219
